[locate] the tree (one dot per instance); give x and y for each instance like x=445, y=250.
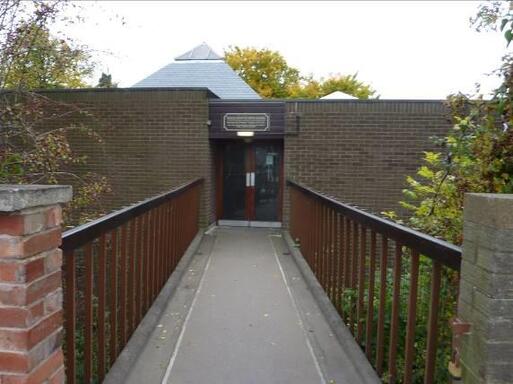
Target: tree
x=105, y=81
x=43, y=61
x=34, y=129
x=269, y=74
x=476, y=155
x=266, y=71
x=349, y=84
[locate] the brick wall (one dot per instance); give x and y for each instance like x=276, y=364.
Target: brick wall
x=30, y=284
x=486, y=289
x=360, y=152
x=153, y=140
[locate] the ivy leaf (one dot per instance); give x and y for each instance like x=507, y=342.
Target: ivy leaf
x=503, y=24
x=508, y=35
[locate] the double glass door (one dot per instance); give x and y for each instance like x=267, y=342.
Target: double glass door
x=251, y=178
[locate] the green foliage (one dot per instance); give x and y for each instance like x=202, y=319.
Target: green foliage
x=105, y=81
x=266, y=71
x=476, y=155
x=269, y=74
x=313, y=89
x=34, y=135
x=36, y=149
x=448, y=296
x=42, y=61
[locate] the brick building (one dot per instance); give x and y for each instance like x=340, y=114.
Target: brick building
x=182, y=123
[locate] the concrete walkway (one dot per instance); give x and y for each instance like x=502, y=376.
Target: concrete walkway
x=242, y=313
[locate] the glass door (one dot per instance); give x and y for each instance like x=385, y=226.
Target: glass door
x=234, y=181
x=267, y=181
x=252, y=182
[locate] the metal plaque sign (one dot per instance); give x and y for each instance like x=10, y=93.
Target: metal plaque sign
x=250, y=122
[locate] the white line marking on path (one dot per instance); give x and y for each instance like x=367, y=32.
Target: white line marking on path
x=296, y=308
x=182, y=332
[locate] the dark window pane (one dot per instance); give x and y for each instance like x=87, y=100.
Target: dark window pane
x=234, y=183
x=267, y=181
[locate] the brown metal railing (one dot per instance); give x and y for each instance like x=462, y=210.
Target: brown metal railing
x=394, y=287
x=114, y=268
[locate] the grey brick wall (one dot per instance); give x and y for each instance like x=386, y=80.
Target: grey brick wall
x=486, y=289
x=360, y=151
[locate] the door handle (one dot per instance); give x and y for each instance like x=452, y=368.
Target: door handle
x=248, y=179
x=252, y=179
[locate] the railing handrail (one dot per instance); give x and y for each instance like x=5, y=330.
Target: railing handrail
x=442, y=251
x=82, y=234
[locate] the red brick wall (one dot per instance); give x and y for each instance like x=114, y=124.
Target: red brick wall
x=360, y=151
x=30, y=288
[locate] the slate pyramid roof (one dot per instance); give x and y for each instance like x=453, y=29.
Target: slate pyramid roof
x=200, y=67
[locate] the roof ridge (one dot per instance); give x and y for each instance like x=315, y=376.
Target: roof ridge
x=200, y=52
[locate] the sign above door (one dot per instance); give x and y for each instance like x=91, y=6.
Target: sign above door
x=246, y=121
x=232, y=119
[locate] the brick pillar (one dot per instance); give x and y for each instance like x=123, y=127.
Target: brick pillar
x=30, y=284
x=486, y=289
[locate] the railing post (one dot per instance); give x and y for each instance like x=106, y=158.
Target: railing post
x=31, y=316
x=486, y=290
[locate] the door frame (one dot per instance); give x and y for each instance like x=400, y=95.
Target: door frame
x=249, y=191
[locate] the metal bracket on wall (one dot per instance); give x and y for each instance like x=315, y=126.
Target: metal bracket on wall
x=459, y=329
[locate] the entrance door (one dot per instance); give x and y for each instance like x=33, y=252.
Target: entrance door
x=251, y=182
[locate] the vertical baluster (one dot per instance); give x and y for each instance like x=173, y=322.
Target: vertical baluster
x=131, y=278
x=113, y=302
x=312, y=232
x=341, y=261
x=394, y=324
x=144, y=291
x=354, y=277
x=139, y=268
x=331, y=280
x=169, y=256
x=412, y=311
x=174, y=226
x=154, y=252
x=158, y=229
x=147, y=267
x=70, y=314
x=316, y=238
x=123, y=286
x=88, y=324
x=361, y=285
x=162, y=235
x=380, y=348
x=164, y=239
x=101, y=307
x=326, y=249
x=433, y=322
x=347, y=269
x=309, y=234
x=323, y=246
x=168, y=230
x=370, y=296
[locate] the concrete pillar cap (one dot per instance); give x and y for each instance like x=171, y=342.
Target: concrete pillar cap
x=17, y=197
x=490, y=209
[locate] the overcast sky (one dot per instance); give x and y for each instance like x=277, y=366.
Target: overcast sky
x=403, y=49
